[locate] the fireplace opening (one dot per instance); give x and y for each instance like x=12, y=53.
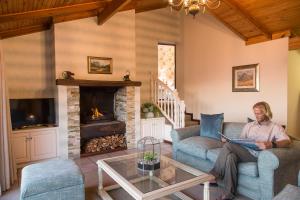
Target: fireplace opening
x=97, y=104
x=100, y=131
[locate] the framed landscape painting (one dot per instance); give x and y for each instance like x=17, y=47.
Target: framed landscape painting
x=99, y=65
x=245, y=78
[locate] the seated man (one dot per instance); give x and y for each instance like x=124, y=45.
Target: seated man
x=266, y=133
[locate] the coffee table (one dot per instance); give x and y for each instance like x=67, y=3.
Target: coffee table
x=168, y=181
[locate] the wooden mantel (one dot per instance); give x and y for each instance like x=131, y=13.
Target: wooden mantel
x=95, y=83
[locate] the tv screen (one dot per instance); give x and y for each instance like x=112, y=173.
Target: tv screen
x=32, y=112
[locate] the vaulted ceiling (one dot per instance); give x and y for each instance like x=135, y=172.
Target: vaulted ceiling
x=252, y=20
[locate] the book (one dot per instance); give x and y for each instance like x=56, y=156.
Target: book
x=248, y=143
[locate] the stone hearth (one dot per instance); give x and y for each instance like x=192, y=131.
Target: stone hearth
x=127, y=109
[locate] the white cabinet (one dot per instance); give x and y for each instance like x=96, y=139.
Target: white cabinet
x=34, y=144
x=154, y=127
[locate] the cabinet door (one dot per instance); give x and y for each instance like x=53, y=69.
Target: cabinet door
x=20, y=144
x=43, y=145
x=159, y=128
x=146, y=127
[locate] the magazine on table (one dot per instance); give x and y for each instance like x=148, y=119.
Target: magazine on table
x=249, y=143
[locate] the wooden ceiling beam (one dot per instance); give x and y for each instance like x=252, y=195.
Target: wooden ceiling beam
x=263, y=38
x=23, y=31
x=242, y=12
x=50, y=12
x=294, y=43
x=112, y=8
x=75, y=16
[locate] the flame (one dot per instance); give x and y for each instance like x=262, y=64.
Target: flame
x=96, y=114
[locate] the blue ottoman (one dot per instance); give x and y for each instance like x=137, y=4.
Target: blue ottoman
x=54, y=179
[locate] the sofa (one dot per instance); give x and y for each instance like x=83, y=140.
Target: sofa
x=290, y=192
x=259, y=180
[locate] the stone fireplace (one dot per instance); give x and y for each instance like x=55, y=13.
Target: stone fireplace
x=87, y=109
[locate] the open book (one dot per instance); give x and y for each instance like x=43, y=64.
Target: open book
x=249, y=143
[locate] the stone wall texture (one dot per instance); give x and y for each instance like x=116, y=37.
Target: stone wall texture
x=73, y=110
x=125, y=111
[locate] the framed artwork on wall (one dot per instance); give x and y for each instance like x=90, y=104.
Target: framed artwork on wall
x=245, y=78
x=99, y=65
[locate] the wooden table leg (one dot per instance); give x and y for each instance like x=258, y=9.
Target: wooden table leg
x=100, y=176
x=206, y=191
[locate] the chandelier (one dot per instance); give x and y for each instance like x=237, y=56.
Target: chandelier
x=194, y=6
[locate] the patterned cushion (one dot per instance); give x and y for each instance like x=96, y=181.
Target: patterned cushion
x=197, y=146
x=290, y=192
x=49, y=176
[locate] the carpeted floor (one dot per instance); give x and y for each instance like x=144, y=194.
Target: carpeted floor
x=89, y=168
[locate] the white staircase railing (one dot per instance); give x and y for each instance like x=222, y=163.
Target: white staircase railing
x=169, y=103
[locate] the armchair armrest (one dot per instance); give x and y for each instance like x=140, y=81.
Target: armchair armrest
x=275, y=158
x=182, y=133
x=299, y=178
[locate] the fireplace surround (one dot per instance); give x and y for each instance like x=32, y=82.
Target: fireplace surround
x=126, y=109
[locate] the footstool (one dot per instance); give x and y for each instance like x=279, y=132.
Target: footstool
x=55, y=179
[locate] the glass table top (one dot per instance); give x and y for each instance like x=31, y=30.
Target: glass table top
x=170, y=173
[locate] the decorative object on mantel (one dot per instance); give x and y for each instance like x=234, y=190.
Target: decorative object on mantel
x=126, y=77
x=245, y=78
x=194, y=6
x=99, y=65
x=67, y=75
x=148, y=154
x=149, y=110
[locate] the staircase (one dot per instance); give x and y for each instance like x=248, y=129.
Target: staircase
x=169, y=103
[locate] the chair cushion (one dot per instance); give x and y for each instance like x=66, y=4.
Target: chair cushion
x=49, y=176
x=197, y=146
x=248, y=168
x=290, y=192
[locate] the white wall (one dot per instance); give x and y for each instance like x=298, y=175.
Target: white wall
x=75, y=40
x=27, y=60
x=210, y=51
x=151, y=28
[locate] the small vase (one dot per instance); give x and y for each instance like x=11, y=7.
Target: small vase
x=149, y=115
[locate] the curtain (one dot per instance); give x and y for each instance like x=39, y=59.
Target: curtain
x=7, y=169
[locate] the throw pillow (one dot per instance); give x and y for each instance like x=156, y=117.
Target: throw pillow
x=210, y=125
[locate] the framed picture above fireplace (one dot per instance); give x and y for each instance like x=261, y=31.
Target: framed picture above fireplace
x=99, y=65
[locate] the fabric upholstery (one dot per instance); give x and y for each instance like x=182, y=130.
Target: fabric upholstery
x=211, y=125
x=198, y=146
x=233, y=129
x=258, y=181
x=290, y=192
x=299, y=179
x=56, y=178
x=249, y=168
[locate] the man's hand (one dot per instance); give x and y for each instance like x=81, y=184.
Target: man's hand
x=264, y=145
x=223, y=140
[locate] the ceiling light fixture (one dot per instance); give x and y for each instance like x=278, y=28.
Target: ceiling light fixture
x=194, y=6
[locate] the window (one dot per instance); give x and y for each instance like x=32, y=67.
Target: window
x=167, y=64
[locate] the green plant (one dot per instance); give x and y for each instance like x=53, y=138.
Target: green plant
x=149, y=156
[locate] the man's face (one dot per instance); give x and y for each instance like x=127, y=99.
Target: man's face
x=259, y=114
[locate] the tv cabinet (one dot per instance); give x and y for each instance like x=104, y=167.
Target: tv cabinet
x=31, y=145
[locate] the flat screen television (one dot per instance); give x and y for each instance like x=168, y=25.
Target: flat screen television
x=32, y=112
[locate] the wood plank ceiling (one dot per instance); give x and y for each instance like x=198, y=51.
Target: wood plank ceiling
x=252, y=20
